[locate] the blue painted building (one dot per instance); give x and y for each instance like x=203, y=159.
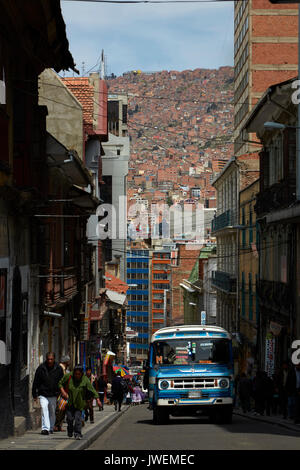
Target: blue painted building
x=138, y=295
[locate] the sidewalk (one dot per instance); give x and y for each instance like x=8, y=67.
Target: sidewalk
x=278, y=420
x=34, y=440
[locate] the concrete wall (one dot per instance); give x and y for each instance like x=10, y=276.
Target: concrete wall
x=117, y=166
x=64, y=120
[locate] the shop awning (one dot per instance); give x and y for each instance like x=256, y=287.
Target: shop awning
x=59, y=156
x=83, y=199
x=115, y=297
x=189, y=289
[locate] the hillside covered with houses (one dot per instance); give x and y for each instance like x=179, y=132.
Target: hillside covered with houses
x=180, y=127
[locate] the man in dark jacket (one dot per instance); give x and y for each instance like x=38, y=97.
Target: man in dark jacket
x=101, y=387
x=45, y=387
x=245, y=391
x=118, y=388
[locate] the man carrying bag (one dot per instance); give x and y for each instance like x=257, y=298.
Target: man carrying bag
x=79, y=390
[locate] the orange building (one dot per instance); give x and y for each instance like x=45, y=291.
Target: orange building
x=161, y=288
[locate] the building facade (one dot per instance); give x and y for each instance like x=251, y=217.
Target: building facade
x=278, y=219
x=248, y=277
x=238, y=173
x=265, y=34
x=139, y=294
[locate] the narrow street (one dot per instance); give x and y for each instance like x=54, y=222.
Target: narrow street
x=135, y=431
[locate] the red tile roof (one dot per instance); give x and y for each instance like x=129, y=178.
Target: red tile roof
x=115, y=284
x=84, y=92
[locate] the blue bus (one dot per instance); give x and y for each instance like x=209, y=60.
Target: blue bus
x=190, y=371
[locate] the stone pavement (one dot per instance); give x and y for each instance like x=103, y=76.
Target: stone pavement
x=34, y=440
x=275, y=419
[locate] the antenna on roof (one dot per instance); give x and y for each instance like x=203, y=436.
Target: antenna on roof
x=83, y=70
x=102, y=66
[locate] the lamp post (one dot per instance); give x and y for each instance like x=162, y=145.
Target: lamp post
x=165, y=306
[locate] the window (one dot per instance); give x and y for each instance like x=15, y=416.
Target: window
x=250, y=226
x=276, y=161
x=2, y=87
x=243, y=230
x=3, y=313
x=243, y=294
x=198, y=351
x=250, y=298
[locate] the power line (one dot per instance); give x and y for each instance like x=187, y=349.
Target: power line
x=151, y=1
x=244, y=251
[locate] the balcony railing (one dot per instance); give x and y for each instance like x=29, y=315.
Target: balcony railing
x=224, y=281
x=60, y=285
x=276, y=295
x=278, y=196
x=226, y=219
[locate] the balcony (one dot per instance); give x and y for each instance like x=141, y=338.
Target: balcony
x=275, y=295
x=224, y=281
x=60, y=286
x=276, y=197
x=225, y=220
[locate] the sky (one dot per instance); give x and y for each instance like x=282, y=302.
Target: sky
x=149, y=37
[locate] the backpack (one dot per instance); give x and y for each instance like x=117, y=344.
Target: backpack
x=124, y=386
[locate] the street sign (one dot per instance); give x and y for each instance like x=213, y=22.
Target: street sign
x=203, y=317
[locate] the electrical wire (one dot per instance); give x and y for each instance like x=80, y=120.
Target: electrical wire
x=151, y=1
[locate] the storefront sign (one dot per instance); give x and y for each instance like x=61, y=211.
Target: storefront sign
x=275, y=328
x=270, y=355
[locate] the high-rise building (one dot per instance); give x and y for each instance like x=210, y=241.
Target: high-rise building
x=138, y=295
x=265, y=53
x=161, y=287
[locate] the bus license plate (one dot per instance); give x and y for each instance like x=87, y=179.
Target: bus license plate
x=195, y=394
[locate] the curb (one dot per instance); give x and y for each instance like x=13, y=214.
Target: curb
x=93, y=434
x=291, y=427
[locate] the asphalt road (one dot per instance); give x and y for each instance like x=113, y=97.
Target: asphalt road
x=135, y=431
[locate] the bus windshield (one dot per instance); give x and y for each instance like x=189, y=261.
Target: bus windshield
x=191, y=351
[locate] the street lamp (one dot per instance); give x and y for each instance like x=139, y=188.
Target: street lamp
x=274, y=125
x=278, y=125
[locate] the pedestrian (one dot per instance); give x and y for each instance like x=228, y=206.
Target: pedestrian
x=118, y=391
x=79, y=387
x=235, y=387
x=89, y=410
x=244, y=392
x=101, y=387
x=137, y=395
x=258, y=385
x=130, y=393
x=276, y=395
x=297, y=394
x=282, y=389
x=268, y=388
x=46, y=387
x=291, y=392
x=60, y=413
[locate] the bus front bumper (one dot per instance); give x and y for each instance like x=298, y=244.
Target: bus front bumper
x=214, y=401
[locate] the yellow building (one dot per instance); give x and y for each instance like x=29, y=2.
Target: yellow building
x=248, y=272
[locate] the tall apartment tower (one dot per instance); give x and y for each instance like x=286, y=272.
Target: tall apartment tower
x=114, y=174
x=265, y=53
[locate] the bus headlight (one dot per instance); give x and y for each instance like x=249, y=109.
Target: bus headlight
x=224, y=383
x=164, y=384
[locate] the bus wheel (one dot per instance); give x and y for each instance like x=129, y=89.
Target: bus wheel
x=160, y=415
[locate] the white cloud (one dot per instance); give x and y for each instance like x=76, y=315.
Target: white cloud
x=150, y=37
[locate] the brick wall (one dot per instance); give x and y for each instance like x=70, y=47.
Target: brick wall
x=187, y=259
